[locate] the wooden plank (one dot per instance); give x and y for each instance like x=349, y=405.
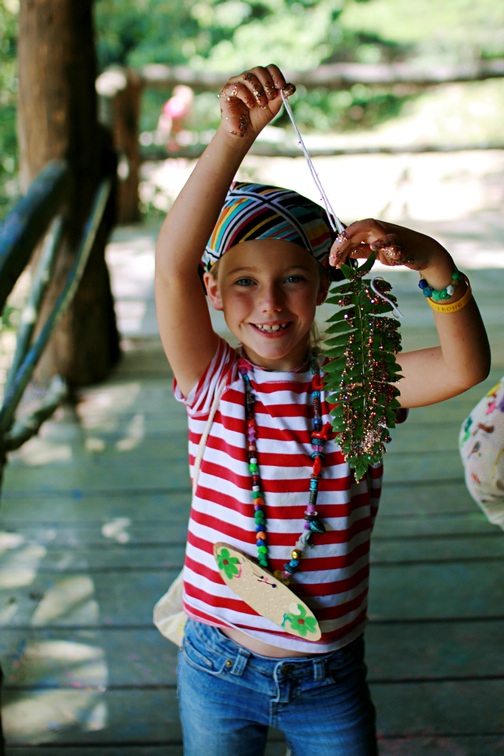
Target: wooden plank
x=123, y=716
x=133, y=467
x=82, y=548
x=273, y=748
x=123, y=530
x=77, y=505
x=104, y=750
x=91, y=556
x=433, y=525
x=463, y=707
x=432, y=466
x=134, y=473
x=109, y=531
x=96, y=558
x=115, y=598
x=91, y=716
x=453, y=590
x=487, y=547
x=103, y=448
x=406, y=746
x=425, y=498
x=409, y=651
x=125, y=657
x=450, y=745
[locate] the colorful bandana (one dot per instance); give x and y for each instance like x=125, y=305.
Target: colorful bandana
x=257, y=211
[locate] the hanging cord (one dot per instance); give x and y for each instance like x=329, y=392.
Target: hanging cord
x=334, y=221
x=397, y=312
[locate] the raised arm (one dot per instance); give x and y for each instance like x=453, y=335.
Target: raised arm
x=462, y=357
x=248, y=103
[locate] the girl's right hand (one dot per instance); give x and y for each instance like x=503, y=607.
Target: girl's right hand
x=249, y=102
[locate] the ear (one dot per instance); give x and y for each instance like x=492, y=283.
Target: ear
x=323, y=288
x=212, y=290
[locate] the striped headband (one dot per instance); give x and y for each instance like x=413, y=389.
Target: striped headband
x=257, y=211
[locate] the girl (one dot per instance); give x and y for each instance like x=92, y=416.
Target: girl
x=265, y=255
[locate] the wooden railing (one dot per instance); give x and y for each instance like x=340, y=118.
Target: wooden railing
x=37, y=216
x=120, y=91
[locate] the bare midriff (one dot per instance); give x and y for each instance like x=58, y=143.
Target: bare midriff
x=258, y=647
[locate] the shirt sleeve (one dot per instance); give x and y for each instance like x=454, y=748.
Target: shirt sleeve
x=199, y=400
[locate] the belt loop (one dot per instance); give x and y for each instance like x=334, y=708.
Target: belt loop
x=319, y=671
x=240, y=662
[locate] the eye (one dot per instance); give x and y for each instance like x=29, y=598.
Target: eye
x=295, y=278
x=244, y=282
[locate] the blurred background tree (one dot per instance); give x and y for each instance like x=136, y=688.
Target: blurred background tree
x=230, y=35
x=9, y=185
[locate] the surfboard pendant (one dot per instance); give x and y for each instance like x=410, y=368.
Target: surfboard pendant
x=265, y=594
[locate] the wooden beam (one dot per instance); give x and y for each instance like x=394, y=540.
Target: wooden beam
x=335, y=75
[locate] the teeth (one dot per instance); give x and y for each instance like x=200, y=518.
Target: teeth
x=270, y=328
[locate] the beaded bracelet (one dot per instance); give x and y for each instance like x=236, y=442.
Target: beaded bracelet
x=446, y=293
x=450, y=307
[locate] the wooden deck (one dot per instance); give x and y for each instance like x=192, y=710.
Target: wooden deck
x=92, y=531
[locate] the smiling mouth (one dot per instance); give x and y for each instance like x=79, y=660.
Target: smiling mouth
x=271, y=328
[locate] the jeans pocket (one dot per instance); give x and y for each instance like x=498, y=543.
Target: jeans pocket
x=205, y=659
x=347, y=661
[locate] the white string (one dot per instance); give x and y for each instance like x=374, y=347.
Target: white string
x=397, y=312
x=335, y=222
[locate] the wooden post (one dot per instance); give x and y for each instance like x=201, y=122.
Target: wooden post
x=57, y=119
x=120, y=90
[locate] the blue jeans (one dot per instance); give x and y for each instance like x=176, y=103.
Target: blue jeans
x=229, y=696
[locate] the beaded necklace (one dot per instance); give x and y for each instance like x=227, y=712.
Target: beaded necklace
x=319, y=436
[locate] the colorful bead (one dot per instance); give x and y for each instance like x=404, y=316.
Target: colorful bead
x=319, y=436
x=317, y=526
x=445, y=293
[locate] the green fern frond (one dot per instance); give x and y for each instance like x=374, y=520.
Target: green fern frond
x=362, y=343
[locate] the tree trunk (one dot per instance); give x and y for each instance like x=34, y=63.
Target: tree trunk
x=57, y=119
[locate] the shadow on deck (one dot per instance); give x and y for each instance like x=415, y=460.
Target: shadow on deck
x=94, y=513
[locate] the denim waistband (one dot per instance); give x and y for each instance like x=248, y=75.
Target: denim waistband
x=237, y=658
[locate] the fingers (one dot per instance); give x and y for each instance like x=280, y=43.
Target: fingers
x=365, y=237
x=256, y=89
x=263, y=83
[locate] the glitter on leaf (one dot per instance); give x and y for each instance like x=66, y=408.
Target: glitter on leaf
x=362, y=341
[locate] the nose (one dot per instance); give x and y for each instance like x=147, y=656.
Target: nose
x=271, y=299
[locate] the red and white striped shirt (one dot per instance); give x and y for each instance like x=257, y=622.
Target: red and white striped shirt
x=333, y=574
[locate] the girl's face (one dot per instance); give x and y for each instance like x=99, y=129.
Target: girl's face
x=269, y=291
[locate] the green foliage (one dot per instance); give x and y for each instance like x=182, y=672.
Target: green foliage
x=230, y=35
x=433, y=31
x=225, y=34
x=137, y=32
x=359, y=107
x=362, y=343
x=8, y=93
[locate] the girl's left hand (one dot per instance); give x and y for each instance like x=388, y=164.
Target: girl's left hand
x=391, y=244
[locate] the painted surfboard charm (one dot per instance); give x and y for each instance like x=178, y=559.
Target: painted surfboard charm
x=265, y=594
